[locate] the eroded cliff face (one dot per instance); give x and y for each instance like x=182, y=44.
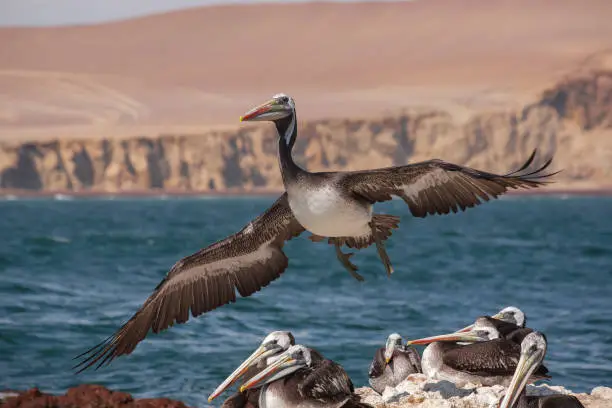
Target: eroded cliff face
x=572, y=120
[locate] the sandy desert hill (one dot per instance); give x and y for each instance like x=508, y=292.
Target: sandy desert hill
x=204, y=66
x=153, y=103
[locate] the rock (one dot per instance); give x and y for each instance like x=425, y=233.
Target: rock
x=419, y=392
x=444, y=389
x=567, y=120
x=393, y=394
x=84, y=396
x=545, y=389
x=488, y=396
x=409, y=386
x=369, y=396
x=602, y=392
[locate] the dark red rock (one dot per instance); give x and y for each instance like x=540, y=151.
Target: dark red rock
x=85, y=396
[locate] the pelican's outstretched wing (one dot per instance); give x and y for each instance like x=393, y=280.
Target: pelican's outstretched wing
x=245, y=261
x=438, y=187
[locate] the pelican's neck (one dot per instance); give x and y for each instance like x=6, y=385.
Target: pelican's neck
x=287, y=132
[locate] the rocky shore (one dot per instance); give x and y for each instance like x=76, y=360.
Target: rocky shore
x=415, y=392
x=419, y=392
x=83, y=396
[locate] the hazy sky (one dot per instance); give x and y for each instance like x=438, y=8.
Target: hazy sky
x=58, y=12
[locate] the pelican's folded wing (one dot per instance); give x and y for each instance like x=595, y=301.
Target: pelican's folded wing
x=438, y=187
x=329, y=383
x=494, y=357
x=377, y=366
x=245, y=261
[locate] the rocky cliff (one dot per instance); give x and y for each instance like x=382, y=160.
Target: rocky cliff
x=572, y=120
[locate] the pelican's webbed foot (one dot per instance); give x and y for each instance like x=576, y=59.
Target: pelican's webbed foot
x=350, y=267
x=382, y=252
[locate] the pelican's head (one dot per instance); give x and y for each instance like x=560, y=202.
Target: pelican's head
x=279, y=107
x=292, y=360
x=393, y=341
x=280, y=110
x=273, y=344
x=482, y=330
x=512, y=314
x=533, y=350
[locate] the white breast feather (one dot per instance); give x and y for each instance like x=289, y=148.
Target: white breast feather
x=323, y=211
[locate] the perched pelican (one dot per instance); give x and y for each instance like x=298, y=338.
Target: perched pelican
x=533, y=350
x=273, y=344
x=392, y=364
x=336, y=205
x=487, y=360
x=302, y=378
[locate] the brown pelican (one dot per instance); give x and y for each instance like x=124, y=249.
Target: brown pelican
x=273, y=344
x=487, y=360
x=337, y=205
x=533, y=350
x=392, y=364
x=302, y=378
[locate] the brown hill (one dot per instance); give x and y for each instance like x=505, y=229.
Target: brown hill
x=188, y=70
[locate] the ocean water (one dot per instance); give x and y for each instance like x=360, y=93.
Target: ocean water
x=72, y=270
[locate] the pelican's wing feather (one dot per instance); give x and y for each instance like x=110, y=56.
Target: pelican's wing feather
x=245, y=262
x=438, y=187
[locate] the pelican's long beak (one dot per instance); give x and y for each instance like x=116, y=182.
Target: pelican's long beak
x=468, y=337
x=389, y=348
x=242, y=368
x=281, y=367
x=270, y=110
x=525, y=367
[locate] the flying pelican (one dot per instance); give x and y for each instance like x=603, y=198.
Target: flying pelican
x=487, y=360
x=337, y=205
x=307, y=380
x=273, y=344
x=392, y=364
x=533, y=350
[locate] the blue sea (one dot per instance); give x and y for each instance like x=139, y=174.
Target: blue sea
x=73, y=270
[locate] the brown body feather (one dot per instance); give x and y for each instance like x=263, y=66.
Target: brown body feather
x=498, y=357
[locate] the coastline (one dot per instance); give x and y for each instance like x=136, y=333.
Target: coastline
x=8, y=194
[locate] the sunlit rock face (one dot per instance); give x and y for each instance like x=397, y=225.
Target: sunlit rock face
x=569, y=120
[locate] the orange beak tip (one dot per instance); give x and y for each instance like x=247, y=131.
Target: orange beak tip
x=242, y=118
